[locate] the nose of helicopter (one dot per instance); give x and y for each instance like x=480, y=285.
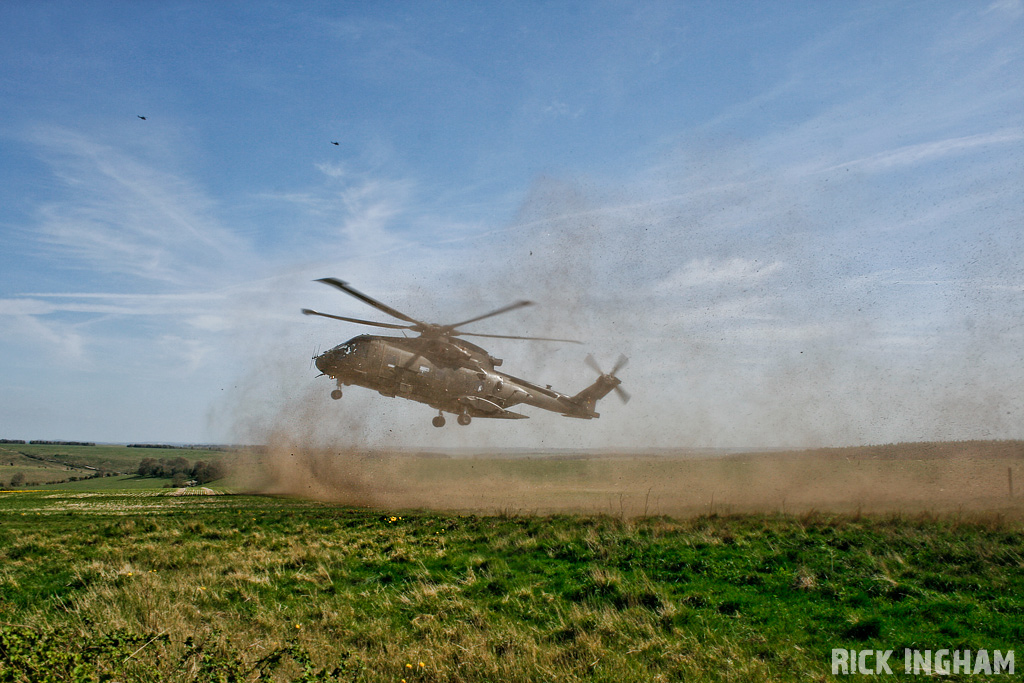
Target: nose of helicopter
x=333, y=361
x=323, y=361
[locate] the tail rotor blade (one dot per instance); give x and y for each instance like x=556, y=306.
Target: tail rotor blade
x=622, y=394
x=619, y=364
x=589, y=360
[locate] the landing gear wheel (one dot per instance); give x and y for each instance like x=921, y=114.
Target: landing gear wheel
x=336, y=394
x=438, y=421
x=464, y=419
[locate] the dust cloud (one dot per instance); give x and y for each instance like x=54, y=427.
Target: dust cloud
x=747, y=329
x=941, y=479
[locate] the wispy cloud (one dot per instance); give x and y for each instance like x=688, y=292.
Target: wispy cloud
x=706, y=271
x=63, y=344
x=118, y=214
x=38, y=303
x=351, y=213
x=928, y=151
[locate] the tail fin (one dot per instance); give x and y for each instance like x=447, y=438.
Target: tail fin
x=605, y=383
x=596, y=391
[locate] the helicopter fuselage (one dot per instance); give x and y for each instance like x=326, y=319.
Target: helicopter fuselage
x=452, y=376
x=446, y=372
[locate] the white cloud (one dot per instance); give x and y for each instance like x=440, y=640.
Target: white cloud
x=58, y=344
x=187, y=354
x=707, y=272
x=928, y=151
x=40, y=303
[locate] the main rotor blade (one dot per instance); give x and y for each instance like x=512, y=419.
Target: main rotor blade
x=504, y=309
x=508, y=336
x=391, y=326
x=351, y=291
x=619, y=364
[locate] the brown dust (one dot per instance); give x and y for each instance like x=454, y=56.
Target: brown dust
x=942, y=478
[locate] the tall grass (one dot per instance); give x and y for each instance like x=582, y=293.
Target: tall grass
x=152, y=588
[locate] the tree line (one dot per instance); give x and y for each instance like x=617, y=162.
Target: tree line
x=180, y=470
x=188, y=447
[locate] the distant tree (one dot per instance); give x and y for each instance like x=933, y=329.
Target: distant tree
x=204, y=472
x=164, y=467
x=18, y=479
x=180, y=464
x=179, y=479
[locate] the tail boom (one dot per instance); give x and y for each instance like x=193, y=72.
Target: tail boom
x=586, y=401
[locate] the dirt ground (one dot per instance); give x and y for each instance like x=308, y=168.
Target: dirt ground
x=941, y=478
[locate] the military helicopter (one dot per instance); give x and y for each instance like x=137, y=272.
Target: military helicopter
x=449, y=374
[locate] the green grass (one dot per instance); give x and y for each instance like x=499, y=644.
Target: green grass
x=139, y=586
x=124, y=482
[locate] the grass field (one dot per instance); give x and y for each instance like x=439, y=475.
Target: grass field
x=52, y=463
x=141, y=586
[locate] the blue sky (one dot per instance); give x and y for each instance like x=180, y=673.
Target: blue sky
x=801, y=221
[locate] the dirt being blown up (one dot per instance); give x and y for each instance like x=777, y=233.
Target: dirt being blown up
x=905, y=478
x=738, y=336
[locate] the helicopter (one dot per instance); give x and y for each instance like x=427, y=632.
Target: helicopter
x=449, y=374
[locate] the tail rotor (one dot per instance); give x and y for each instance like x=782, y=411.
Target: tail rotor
x=619, y=364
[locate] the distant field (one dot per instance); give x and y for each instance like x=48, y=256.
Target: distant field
x=124, y=482
x=111, y=457
x=142, y=586
x=45, y=463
